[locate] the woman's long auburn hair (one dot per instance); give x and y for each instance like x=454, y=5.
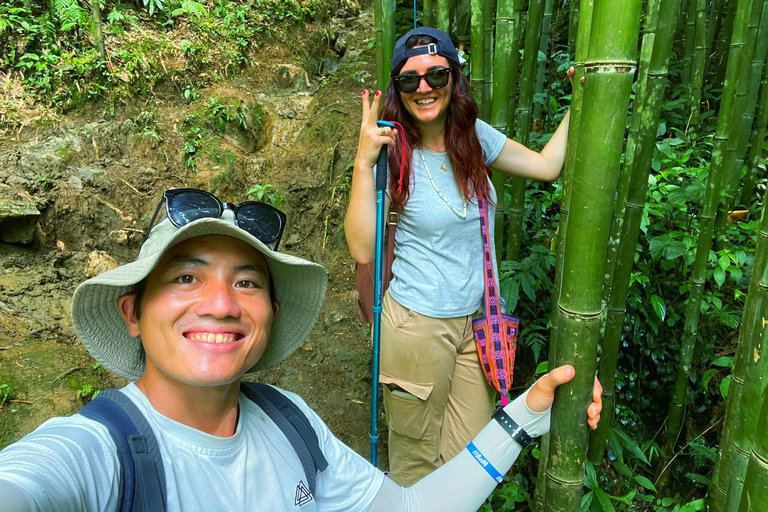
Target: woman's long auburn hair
x=461, y=139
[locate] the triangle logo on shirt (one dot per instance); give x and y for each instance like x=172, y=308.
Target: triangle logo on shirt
x=303, y=496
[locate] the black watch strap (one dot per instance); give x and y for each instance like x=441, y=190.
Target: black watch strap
x=515, y=430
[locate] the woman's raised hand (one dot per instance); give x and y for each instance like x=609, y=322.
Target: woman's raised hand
x=372, y=137
x=542, y=394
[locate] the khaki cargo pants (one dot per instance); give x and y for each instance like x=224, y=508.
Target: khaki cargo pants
x=436, y=398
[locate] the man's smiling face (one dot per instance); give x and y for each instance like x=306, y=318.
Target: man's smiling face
x=206, y=312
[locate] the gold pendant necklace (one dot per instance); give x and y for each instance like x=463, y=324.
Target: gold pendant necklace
x=434, y=186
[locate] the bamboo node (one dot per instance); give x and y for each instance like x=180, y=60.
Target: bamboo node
x=577, y=483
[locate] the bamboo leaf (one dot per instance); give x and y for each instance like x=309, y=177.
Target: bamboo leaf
x=645, y=483
x=631, y=446
x=723, y=362
x=658, y=306
x=725, y=385
x=605, y=500
x=708, y=377
x=693, y=506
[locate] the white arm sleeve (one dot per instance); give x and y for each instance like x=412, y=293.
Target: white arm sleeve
x=462, y=484
x=68, y=465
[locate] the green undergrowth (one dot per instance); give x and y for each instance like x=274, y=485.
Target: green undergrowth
x=54, y=56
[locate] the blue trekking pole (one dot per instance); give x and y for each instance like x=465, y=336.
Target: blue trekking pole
x=381, y=185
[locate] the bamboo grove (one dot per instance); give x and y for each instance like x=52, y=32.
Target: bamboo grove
x=645, y=264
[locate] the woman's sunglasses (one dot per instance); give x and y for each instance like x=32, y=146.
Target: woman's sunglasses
x=185, y=205
x=436, y=79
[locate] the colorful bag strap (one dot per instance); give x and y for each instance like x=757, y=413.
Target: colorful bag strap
x=495, y=362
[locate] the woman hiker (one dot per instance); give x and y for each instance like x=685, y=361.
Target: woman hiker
x=436, y=397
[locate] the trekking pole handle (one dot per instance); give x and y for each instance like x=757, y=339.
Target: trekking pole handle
x=381, y=164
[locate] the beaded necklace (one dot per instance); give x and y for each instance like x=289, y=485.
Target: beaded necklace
x=434, y=185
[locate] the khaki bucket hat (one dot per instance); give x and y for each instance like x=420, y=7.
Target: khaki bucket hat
x=300, y=287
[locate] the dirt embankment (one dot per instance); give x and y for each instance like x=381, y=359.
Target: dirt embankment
x=288, y=125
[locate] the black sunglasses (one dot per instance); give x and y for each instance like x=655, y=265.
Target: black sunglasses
x=436, y=79
x=185, y=205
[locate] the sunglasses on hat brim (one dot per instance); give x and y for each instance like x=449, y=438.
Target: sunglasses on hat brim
x=436, y=79
x=186, y=205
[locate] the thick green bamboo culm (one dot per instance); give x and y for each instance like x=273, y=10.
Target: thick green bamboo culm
x=723, y=158
x=659, y=36
x=541, y=67
x=754, y=164
x=477, y=56
x=384, y=19
x=428, y=16
x=505, y=58
x=751, y=345
x=760, y=55
x=699, y=62
x=646, y=51
x=98, y=32
x=750, y=369
x=755, y=491
x=444, y=12
x=523, y=124
x=746, y=98
x=609, y=70
x=718, y=490
x=570, y=160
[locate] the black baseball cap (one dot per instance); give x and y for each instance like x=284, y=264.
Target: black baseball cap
x=443, y=46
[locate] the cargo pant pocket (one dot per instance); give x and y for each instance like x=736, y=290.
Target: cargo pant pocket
x=406, y=413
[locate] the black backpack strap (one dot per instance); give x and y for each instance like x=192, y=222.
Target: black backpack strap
x=143, y=483
x=294, y=424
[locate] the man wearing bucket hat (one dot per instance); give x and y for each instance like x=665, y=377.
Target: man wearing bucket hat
x=208, y=300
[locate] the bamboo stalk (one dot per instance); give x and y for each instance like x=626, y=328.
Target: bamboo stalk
x=609, y=70
x=758, y=71
x=489, y=8
x=477, y=56
x=758, y=140
x=719, y=52
x=523, y=124
x=699, y=61
x=98, y=32
x=428, y=19
x=747, y=86
x=646, y=52
x=689, y=7
x=514, y=64
x=756, y=481
x=715, y=24
x=505, y=72
x=654, y=63
x=384, y=20
x=546, y=25
x=573, y=26
x=723, y=154
x=750, y=374
x=582, y=46
x=444, y=12
x=751, y=343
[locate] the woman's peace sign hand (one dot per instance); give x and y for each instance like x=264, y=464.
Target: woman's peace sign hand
x=372, y=137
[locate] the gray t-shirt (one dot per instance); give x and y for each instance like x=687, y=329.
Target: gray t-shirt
x=70, y=464
x=438, y=263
